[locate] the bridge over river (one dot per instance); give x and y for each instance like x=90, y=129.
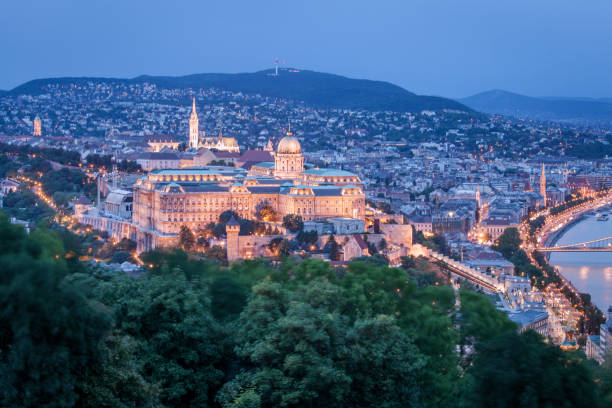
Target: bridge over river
x=596, y=245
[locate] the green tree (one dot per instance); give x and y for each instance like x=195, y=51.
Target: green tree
x=334, y=248
x=382, y=244
x=293, y=222
x=121, y=257
x=423, y=315
x=307, y=237
x=508, y=243
x=227, y=215
x=217, y=253
x=603, y=379
x=384, y=366
x=302, y=352
x=266, y=213
x=480, y=320
x=118, y=381
x=228, y=296
x=520, y=370
x=280, y=247
x=49, y=331
x=186, y=238
x=179, y=342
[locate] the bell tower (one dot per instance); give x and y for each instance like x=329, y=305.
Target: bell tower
x=232, y=230
x=37, y=127
x=194, y=126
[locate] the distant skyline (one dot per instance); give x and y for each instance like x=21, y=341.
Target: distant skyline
x=434, y=47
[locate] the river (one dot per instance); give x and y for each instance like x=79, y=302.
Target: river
x=589, y=272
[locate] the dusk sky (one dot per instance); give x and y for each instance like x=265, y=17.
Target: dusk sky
x=449, y=48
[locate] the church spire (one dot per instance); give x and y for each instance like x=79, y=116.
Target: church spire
x=269, y=147
x=194, y=127
x=543, y=184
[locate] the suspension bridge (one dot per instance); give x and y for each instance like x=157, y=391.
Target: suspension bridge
x=595, y=245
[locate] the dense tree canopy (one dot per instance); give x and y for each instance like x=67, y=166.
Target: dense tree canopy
x=520, y=370
x=508, y=243
x=293, y=223
x=193, y=333
x=49, y=331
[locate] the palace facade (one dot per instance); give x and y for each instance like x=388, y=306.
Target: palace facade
x=166, y=199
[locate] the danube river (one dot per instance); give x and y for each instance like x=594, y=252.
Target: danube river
x=589, y=272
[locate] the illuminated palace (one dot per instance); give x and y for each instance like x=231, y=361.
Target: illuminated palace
x=166, y=199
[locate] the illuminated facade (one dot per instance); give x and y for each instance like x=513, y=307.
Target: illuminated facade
x=165, y=200
x=543, y=184
x=194, y=128
x=198, y=139
x=220, y=143
x=156, y=143
x=288, y=160
x=37, y=127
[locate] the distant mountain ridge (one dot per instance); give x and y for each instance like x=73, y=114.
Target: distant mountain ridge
x=542, y=108
x=315, y=88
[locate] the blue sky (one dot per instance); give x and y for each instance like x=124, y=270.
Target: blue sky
x=440, y=47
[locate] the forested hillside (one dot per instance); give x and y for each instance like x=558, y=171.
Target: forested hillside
x=189, y=333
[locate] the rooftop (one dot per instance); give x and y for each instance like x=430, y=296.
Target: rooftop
x=329, y=173
x=527, y=317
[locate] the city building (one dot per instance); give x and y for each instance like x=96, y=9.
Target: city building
x=157, y=143
x=531, y=319
x=158, y=160
x=219, y=143
x=605, y=340
x=198, y=139
x=37, y=127
x=166, y=199
x=543, y=184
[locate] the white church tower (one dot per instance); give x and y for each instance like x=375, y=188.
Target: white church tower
x=194, y=125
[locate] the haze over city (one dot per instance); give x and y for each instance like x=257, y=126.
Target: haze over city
x=447, y=48
x=238, y=204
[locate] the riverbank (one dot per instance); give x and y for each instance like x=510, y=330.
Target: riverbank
x=566, y=221
x=589, y=272
x=551, y=240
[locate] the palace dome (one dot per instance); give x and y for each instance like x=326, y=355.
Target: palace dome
x=289, y=145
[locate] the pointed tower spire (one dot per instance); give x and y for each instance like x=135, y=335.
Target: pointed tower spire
x=194, y=127
x=269, y=147
x=543, y=184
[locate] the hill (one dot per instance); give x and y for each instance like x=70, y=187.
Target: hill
x=314, y=88
x=558, y=108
